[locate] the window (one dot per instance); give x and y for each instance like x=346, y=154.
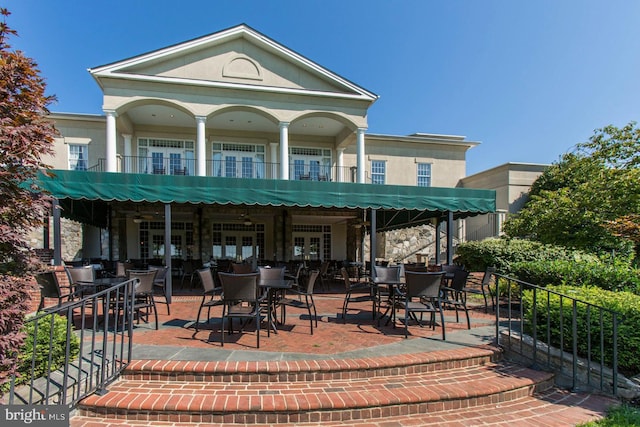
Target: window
x=238, y=160
x=166, y=156
x=310, y=163
x=424, y=175
x=377, y=172
x=78, y=155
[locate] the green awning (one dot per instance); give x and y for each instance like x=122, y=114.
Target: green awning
x=397, y=204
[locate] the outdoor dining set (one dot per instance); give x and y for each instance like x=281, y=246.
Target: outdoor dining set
x=418, y=293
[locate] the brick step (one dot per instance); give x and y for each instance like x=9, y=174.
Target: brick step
x=371, y=397
x=310, y=370
x=550, y=408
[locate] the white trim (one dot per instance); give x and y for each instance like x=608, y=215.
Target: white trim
x=111, y=70
x=73, y=140
x=225, y=85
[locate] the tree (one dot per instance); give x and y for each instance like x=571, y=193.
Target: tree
x=576, y=201
x=25, y=135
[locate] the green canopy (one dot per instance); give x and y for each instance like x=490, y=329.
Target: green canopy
x=397, y=205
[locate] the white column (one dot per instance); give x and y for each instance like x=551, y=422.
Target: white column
x=112, y=161
x=284, y=150
x=340, y=166
x=360, y=154
x=201, y=159
x=128, y=161
x=273, y=156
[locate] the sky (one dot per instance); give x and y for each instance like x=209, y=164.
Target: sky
x=526, y=79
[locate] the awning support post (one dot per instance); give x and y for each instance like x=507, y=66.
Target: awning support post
x=57, y=234
x=373, y=244
x=449, y=237
x=167, y=251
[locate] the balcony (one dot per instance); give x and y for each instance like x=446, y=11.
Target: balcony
x=229, y=169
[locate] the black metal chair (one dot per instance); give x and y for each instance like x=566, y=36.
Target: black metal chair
x=240, y=300
x=482, y=287
x=454, y=295
x=50, y=288
x=422, y=295
x=353, y=287
x=81, y=280
x=144, y=303
x=160, y=284
x=308, y=302
x=211, y=296
x=385, y=284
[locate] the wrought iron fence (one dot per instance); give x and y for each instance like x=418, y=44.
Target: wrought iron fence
x=576, y=339
x=96, y=348
x=228, y=168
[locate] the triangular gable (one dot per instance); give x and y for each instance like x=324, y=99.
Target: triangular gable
x=236, y=57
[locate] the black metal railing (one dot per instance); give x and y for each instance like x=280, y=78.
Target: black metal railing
x=99, y=338
x=545, y=332
x=229, y=169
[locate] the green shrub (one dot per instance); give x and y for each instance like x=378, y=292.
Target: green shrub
x=503, y=253
x=585, y=272
x=624, y=303
x=56, y=331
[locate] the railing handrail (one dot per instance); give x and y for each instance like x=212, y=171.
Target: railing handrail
x=98, y=363
x=575, y=358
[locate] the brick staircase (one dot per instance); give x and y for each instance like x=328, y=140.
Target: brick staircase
x=466, y=386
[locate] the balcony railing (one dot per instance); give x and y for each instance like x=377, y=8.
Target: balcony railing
x=229, y=169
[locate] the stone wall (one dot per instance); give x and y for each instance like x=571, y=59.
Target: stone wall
x=415, y=244
x=71, y=233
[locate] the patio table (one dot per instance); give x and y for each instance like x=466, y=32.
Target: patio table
x=272, y=287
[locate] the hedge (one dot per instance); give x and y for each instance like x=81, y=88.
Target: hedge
x=616, y=277
x=503, y=253
x=624, y=303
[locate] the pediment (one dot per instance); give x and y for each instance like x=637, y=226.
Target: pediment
x=239, y=57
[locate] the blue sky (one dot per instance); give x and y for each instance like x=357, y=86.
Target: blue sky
x=528, y=80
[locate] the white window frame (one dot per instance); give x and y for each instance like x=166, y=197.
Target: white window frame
x=81, y=156
x=249, y=160
x=422, y=176
x=184, y=148
x=375, y=171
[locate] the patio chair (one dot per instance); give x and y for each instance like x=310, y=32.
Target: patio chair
x=240, y=300
x=189, y=269
x=160, y=284
x=352, y=287
x=211, y=296
x=422, y=295
x=241, y=268
x=386, y=285
x=482, y=287
x=324, y=275
x=144, y=303
x=81, y=280
x=50, y=288
x=454, y=295
x=308, y=302
x=122, y=268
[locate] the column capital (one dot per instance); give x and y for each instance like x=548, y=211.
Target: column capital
x=284, y=124
x=110, y=113
x=201, y=119
x=126, y=135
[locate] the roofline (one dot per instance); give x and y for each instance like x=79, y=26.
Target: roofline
x=241, y=30
x=507, y=165
x=433, y=138
x=77, y=116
